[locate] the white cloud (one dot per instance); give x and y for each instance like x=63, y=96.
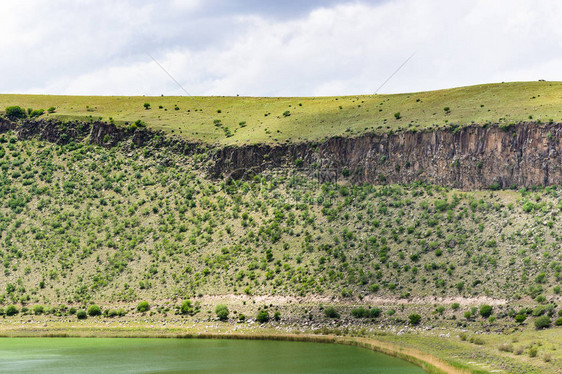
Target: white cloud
x=350, y=48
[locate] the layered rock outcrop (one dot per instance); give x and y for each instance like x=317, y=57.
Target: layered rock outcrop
x=472, y=157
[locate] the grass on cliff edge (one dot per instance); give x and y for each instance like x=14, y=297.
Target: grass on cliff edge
x=239, y=120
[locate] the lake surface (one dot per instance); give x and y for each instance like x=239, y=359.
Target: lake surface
x=103, y=355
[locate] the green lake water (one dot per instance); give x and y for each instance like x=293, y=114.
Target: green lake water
x=102, y=355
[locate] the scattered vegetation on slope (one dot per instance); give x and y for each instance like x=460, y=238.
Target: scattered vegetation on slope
x=81, y=223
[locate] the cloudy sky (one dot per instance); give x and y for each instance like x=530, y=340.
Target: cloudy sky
x=274, y=48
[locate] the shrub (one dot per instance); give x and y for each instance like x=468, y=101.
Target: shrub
x=477, y=340
x=11, y=310
x=112, y=313
x=542, y=322
x=51, y=109
x=331, y=312
x=447, y=109
x=505, y=347
x=36, y=113
x=81, y=314
x=397, y=115
x=143, y=306
x=455, y=306
x=533, y=352
x=94, y=310
x=520, y=318
x=558, y=322
x=222, y=312
x=186, y=307
x=146, y=106
x=38, y=309
x=360, y=312
x=486, y=310
x=441, y=205
x=538, y=311
x=375, y=312
x=414, y=319
x=263, y=316
x=286, y=113
x=277, y=316
x=72, y=311
x=15, y=112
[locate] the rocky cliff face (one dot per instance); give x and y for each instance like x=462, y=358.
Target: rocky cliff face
x=472, y=157
x=100, y=133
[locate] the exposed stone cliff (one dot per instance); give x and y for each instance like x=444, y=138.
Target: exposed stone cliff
x=472, y=157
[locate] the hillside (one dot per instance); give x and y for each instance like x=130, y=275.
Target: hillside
x=445, y=240
x=80, y=223
x=241, y=120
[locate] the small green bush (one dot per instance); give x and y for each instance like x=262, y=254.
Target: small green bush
x=486, y=310
x=38, y=309
x=263, y=316
x=186, y=307
x=143, y=306
x=15, y=112
x=81, y=314
x=542, y=322
x=414, y=319
x=11, y=310
x=558, y=322
x=36, y=113
x=94, y=310
x=375, y=312
x=331, y=312
x=520, y=318
x=222, y=312
x=538, y=311
x=112, y=313
x=360, y=312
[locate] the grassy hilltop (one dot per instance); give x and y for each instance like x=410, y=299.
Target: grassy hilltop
x=239, y=120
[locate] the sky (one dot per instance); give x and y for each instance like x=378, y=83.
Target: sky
x=274, y=48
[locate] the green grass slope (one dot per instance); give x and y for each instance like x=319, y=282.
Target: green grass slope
x=239, y=120
x=80, y=222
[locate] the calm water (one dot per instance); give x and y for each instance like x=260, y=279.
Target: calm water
x=82, y=355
